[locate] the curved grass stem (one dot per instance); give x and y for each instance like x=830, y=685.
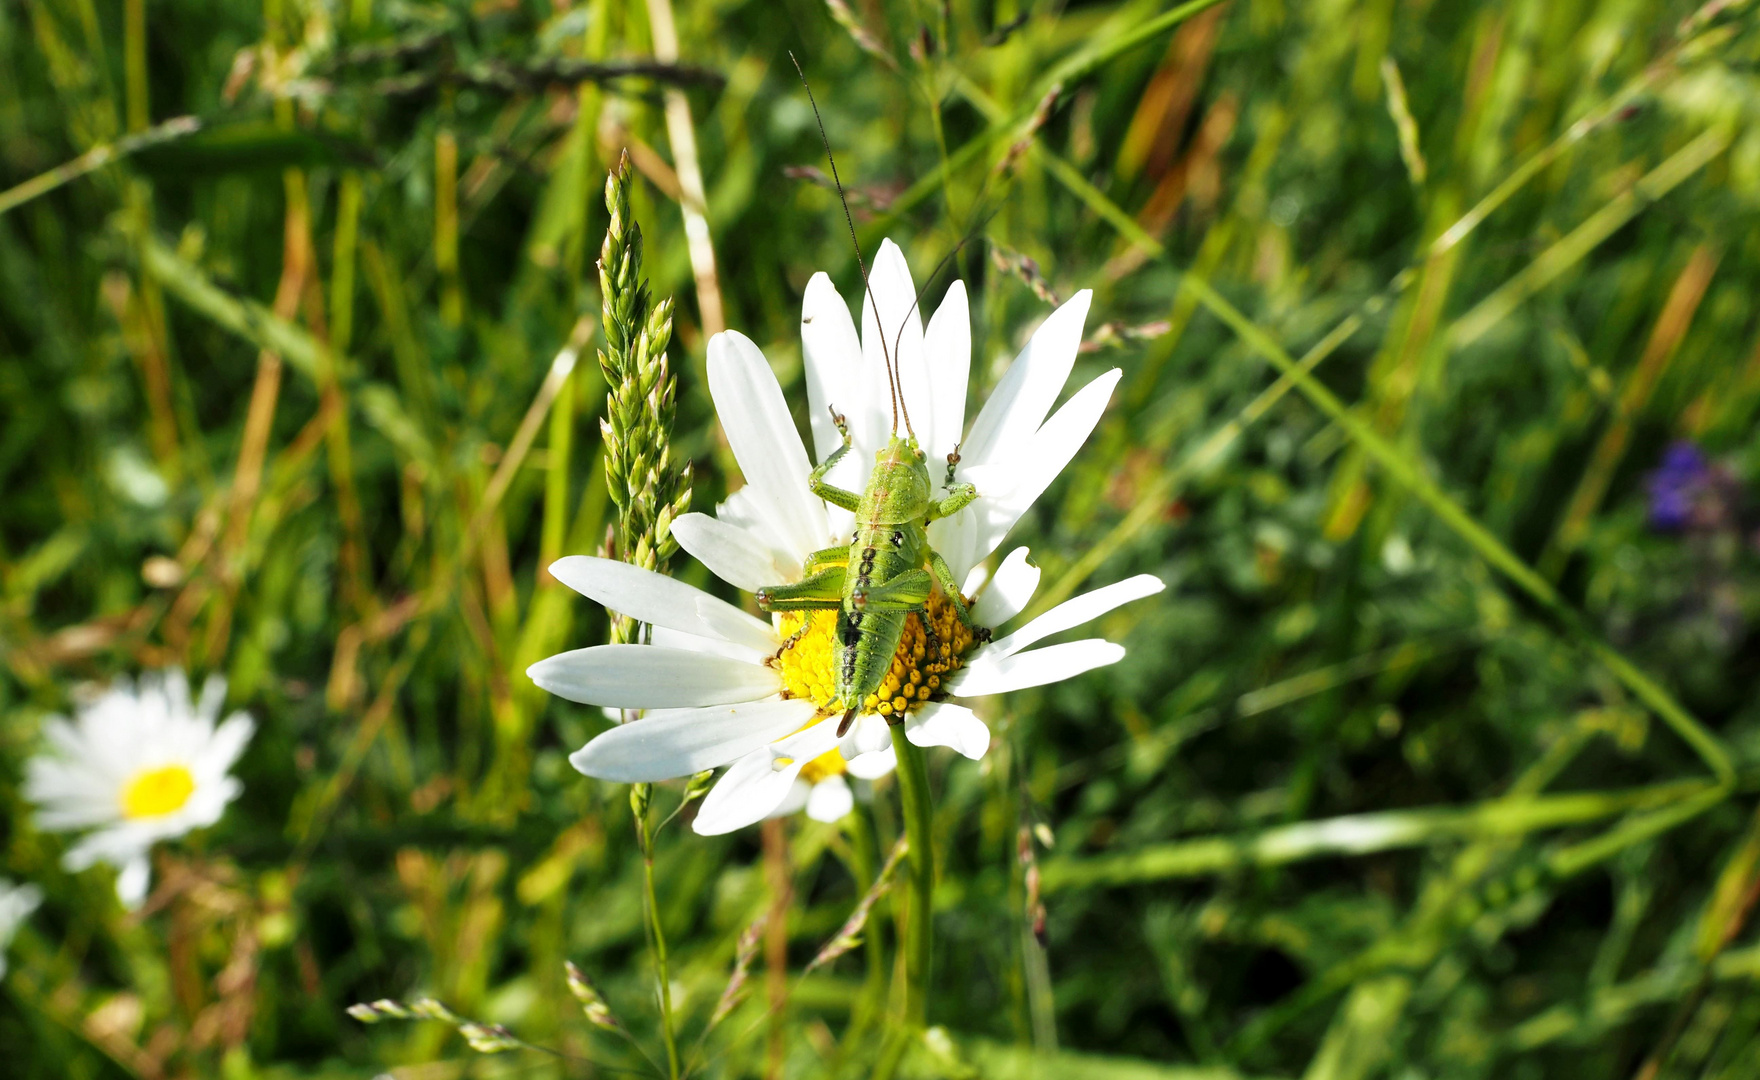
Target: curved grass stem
x=865, y=866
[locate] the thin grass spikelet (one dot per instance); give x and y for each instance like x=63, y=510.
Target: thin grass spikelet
x=481, y=1037
x=593, y=1004
x=742, y=968
x=849, y=935
x=649, y=487
x=383, y=1009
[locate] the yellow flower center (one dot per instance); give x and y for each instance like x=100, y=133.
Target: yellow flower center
x=914, y=679
x=157, y=792
x=826, y=765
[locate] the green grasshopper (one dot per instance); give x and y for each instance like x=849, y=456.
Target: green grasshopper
x=888, y=570
x=880, y=578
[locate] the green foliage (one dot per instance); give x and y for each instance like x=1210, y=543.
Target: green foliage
x=1436, y=759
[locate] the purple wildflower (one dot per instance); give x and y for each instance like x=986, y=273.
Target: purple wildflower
x=1676, y=485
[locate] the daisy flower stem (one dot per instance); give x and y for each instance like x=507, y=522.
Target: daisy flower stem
x=913, y=792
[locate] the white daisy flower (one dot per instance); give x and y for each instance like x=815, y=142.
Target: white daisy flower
x=137, y=767
x=724, y=687
x=16, y=904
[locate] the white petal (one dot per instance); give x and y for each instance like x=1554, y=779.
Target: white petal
x=942, y=723
x=869, y=733
x=830, y=799
x=1010, y=590
x=956, y=538
x=65, y=737
x=1078, y=610
x=1032, y=383
x=808, y=743
x=655, y=598
x=992, y=673
x=205, y=806
x=751, y=513
x=730, y=552
x=677, y=639
x=833, y=358
x=947, y=350
x=132, y=882
x=893, y=328
x=1043, y=459
x=746, y=793
x=69, y=796
x=873, y=766
x=226, y=746
x=16, y=904
x=649, y=677
x=975, y=579
x=794, y=801
x=680, y=742
x=761, y=433
x=114, y=844
x=86, y=853
x=213, y=698
x=171, y=687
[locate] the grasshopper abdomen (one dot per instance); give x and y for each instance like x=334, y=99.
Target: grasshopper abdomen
x=885, y=580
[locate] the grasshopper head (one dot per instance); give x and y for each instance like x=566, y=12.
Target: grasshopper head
x=901, y=451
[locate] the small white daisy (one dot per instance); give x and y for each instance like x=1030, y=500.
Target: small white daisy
x=823, y=788
x=137, y=767
x=16, y=904
x=718, y=683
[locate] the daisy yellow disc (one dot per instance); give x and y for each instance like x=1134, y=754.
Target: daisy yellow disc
x=157, y=792
x=921, y=664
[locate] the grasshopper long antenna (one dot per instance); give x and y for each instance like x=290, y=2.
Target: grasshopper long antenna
x=917, y=302
x=885, y=353
x=972, y=233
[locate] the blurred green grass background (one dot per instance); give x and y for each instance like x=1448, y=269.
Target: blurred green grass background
x=1437, y=758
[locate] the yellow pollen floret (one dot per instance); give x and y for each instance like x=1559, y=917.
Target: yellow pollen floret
x=157, y=792
x=914, y=677
x=828, y=764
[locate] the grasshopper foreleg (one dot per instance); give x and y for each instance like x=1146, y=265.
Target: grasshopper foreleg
x=958, y=498
x=831, y=493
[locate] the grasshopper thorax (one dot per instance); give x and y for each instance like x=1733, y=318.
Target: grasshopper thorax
x=899, y=490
